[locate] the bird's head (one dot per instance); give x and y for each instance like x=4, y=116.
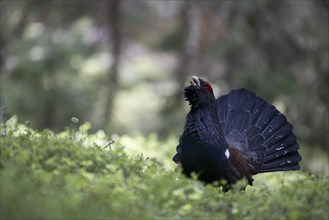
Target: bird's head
x=199, y=93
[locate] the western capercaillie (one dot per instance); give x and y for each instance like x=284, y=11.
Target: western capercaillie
x=233, y=137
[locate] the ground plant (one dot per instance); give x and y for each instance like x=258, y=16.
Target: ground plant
x=77, y=175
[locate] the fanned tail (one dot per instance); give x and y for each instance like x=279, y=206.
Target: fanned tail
x=260, y=131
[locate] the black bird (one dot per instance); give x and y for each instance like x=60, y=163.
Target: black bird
x=234, y=137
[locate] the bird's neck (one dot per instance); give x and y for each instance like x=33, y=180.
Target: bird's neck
x=203, y=125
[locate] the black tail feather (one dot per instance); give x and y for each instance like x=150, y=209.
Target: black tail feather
x=282, y=144
x=260, y=131
x=283, y=163
x=279, y=154
x=277, y=128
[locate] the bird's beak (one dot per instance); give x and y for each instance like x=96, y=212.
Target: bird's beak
x=195, y=81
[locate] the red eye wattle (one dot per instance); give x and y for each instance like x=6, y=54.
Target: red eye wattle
x=208, y=87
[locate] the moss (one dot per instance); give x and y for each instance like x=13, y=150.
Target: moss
x=54, y=176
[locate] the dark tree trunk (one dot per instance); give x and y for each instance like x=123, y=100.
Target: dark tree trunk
x=113, y=20
x=49, y=103
x=190, y=21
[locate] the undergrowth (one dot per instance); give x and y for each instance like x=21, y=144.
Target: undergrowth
x=76, y=175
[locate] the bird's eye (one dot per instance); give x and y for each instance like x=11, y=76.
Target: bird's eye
x=208, y=87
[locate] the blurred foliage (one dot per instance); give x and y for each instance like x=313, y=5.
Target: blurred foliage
x=56, y=60
x=77, y=175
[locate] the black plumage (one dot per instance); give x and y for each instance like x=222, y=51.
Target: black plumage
x=235, y=136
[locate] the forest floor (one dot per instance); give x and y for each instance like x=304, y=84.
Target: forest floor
x=74, y=175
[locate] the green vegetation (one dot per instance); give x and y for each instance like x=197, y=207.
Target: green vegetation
x=74, y=174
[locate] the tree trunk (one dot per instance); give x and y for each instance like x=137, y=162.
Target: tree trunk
x=113, y=21
x=190, y=18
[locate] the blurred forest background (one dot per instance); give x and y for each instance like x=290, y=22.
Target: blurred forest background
x=122, y=65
